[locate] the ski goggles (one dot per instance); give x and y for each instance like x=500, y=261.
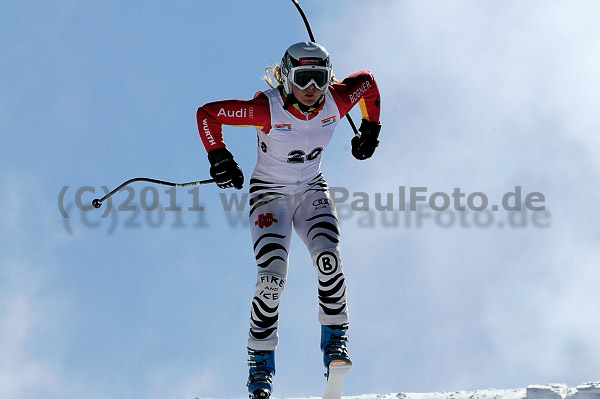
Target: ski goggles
x=302, y=77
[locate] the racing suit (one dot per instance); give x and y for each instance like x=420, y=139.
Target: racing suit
x=288, y=190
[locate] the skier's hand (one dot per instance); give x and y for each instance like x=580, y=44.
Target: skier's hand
x=226, y=172
x=364, y=146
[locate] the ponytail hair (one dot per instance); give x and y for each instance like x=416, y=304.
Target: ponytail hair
x=273, y=76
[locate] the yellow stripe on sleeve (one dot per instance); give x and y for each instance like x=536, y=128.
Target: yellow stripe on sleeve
x=363, y=109
x=258, y=127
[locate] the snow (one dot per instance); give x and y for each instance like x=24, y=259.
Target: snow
x=549, y=391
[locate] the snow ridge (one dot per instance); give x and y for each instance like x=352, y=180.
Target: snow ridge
x=589, y=390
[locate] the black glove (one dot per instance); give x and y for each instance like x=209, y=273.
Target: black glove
x=363, y=146
x=226, y=172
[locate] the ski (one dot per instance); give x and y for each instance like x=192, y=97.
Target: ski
x=335, y=379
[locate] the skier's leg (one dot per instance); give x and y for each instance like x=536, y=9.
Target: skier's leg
x=270, y=226
x=316, y=223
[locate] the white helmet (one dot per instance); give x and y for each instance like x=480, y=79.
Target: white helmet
x=306, y=63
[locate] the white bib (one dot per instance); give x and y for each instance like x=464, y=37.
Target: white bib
x=291, y=152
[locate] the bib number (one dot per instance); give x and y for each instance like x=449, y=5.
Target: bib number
x=299, y=156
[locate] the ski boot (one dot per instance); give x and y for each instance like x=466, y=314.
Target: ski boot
x=262, y=370
x=334, y=346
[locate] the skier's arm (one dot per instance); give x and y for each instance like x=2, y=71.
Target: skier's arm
x=358, y=88
x=212, y=116
x=361, y=88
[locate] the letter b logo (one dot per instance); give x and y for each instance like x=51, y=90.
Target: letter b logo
x=327, y=262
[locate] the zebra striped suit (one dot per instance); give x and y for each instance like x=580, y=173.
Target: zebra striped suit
x=309, y=209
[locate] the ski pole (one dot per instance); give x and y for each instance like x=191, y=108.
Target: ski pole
x=97, y=202
x=312, y=39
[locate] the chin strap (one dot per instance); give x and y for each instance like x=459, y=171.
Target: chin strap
x=290, y=99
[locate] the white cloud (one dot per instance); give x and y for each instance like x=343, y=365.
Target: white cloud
x=456, y=73
x=23, y=375
x=32, y=314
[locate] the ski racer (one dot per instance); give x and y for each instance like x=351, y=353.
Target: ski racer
x=294, y=122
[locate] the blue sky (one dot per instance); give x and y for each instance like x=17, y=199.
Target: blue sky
x=481, y=96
